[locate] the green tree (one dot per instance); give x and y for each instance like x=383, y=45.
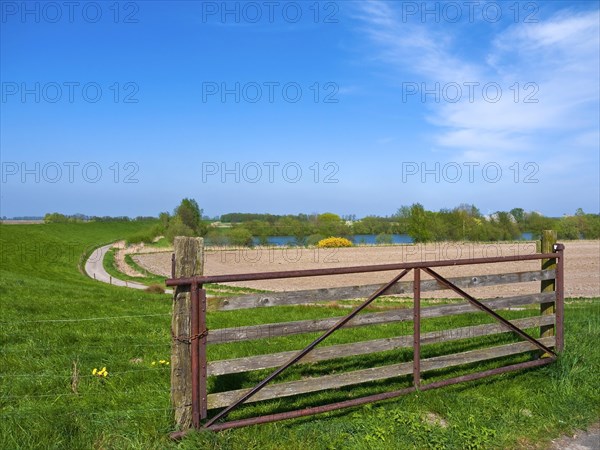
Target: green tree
x=419, y=224
x=518, y=214
x=329, y=224
x=55, y=218
x=593, y=226
x=240, y=236
x=506, y=225
x=189, y=212
x=402, y=218
x=163, y=220
x=177, y=228
x=534, y=223
x=568, y=228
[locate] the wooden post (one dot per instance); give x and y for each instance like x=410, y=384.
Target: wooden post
x=548, y=241
x=189, y=261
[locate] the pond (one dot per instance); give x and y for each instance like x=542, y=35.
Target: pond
x=359, y=239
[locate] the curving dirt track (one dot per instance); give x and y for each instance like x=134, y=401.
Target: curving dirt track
x=582, y=265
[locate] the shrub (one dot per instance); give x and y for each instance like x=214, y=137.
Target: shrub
x=177, y=228
x=216, y=238
x=383, y=238
x=240, y=236
x=314, y=239
x=155, y=289
x=331, y=242
x=146, y=236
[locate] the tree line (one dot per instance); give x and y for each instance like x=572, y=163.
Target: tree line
x=462, y=223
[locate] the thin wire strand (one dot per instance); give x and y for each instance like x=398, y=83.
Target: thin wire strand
x=41, y=375
x=78, y=394
x=80, y=348
x=82, y=320
x=32, y=411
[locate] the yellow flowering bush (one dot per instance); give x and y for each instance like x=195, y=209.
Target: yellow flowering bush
x=332, y=242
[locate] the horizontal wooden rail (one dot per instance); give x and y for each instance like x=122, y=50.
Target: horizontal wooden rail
x=258, y=362
x=222, y=399
x=224, y=335
x=351, y=292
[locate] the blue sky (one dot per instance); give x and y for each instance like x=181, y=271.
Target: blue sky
x=351, y=107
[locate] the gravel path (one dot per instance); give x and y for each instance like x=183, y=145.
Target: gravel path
x=581, y=440
x=95, y=269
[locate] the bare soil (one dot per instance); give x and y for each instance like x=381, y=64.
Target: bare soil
x=122, y=249
x=582, y=265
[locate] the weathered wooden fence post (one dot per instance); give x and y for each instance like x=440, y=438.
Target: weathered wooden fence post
x=189, y=261
x=548, y=241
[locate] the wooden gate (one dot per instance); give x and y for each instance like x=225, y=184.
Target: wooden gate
x=548, y=324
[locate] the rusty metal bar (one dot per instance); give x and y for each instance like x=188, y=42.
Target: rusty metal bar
x=194, y=351
x=203, y=332
x=371, y=398
x=560, y=297
x=307, y=349
x=489, y=311
x=311, y=411
x=417, y=329
x=348, y=270
x=172, y=265
x=487, y=373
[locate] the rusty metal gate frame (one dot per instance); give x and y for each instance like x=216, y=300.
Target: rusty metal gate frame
x=199, y=334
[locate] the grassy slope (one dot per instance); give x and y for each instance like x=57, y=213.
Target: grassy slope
x=45, y=303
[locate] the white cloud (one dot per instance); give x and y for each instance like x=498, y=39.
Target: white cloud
x=559, y=56
x=402, y=43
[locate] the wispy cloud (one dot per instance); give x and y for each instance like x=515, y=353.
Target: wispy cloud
x=424, y=50
x=555, y=63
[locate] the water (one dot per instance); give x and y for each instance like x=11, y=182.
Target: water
x=372, y=239
x=280, y=241
x=359, y=239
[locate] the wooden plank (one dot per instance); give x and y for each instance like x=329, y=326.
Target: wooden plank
x=258, y=362
x=352, y=292
x=397, y=315
x=222, y=399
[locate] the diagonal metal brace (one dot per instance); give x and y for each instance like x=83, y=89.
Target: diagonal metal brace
x=307, y=349
x=484, y=308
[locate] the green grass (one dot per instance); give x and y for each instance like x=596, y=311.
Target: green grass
x=53, y=317
x=161, y=243
x=149, y=278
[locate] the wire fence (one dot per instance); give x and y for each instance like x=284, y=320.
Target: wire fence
x=16, y=403
x=137, y=316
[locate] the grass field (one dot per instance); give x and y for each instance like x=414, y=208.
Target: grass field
x=57, y=325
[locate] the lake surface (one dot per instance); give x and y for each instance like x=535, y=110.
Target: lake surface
x=281, y=241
